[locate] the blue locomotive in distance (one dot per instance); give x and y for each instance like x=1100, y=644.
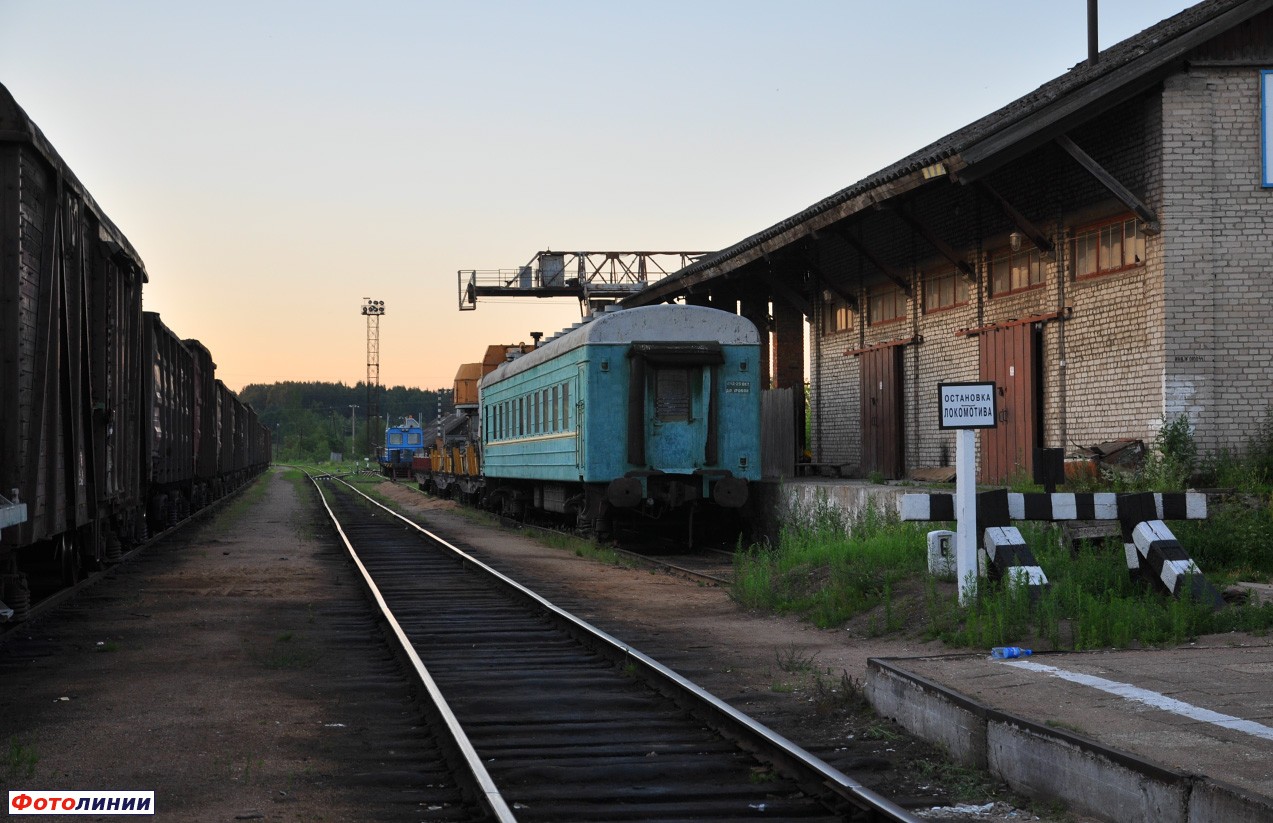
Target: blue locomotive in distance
x=402, y=443
x=645, y=412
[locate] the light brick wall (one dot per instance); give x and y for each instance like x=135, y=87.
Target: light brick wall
x=1189, y=331
x=1218, y=239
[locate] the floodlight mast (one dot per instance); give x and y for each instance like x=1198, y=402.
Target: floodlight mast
x=595, y=278
x=373, y=310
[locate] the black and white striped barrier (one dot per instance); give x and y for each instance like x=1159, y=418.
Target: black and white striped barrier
x=1011, y=559
x=1058, y=506
x=1152, y=552
x=1155, y=556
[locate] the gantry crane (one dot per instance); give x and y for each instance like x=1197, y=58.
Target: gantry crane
x=595, y=278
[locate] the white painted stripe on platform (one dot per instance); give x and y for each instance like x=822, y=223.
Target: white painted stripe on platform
x=1152, y=699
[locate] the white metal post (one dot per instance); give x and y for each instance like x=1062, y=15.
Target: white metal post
x=966, y=513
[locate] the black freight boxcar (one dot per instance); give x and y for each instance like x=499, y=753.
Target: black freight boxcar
x=168, y=444
x=102, y=433
x=70, y=362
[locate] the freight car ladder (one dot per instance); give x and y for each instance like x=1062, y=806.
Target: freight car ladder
x=595, y=278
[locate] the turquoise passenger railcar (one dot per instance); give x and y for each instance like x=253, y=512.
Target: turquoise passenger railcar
x=647, y=410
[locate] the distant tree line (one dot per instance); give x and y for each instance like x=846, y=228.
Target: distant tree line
x=310, y=421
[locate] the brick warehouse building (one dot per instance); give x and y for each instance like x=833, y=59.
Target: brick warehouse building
x=1101, y=248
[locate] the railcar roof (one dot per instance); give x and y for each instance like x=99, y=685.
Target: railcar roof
x=16, y=126
x=649, y=324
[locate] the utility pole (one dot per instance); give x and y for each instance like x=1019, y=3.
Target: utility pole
x=373, y=310
x=353, y=435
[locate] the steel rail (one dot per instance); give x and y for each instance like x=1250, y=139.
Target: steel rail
x=489, y=792
x=663, y=564
x=755, y=736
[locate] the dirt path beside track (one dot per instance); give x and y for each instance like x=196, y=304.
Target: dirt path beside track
x=208, y=671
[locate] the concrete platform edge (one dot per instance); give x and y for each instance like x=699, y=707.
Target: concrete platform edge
x=1045, y=762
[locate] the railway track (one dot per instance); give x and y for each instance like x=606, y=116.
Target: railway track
x=556, y=720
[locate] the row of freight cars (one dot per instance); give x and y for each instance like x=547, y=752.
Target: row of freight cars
x=111, y=426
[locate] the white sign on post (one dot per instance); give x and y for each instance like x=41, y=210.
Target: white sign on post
x=966, y=407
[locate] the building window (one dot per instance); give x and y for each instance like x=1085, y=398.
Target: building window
x=1013, y=271
x=945, y=289
x=1108, y=247
x=887, y=306
x=836, y=316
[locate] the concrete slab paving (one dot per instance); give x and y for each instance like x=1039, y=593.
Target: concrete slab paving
x=1182, y=734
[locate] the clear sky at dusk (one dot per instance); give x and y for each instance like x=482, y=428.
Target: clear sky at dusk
x=275, y=162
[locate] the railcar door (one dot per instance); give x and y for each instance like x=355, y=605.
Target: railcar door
x=669, y=414
x=675, y=400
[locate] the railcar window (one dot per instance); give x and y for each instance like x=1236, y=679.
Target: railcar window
x=672, y=395
x=395, y=438
x=544, y=405
x=565, y=406
x=415, y=439
x=554, y=408
x=521, y=416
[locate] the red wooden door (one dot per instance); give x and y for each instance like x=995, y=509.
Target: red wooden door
x=1009, y=357
x=882, y=425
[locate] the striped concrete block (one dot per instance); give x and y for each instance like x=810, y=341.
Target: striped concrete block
x=1156, y=556
x=1011, y=559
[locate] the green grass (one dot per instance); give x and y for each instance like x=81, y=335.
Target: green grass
x=827, y=573
x=875, y=570
x=20, y=760
x=872, y=569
